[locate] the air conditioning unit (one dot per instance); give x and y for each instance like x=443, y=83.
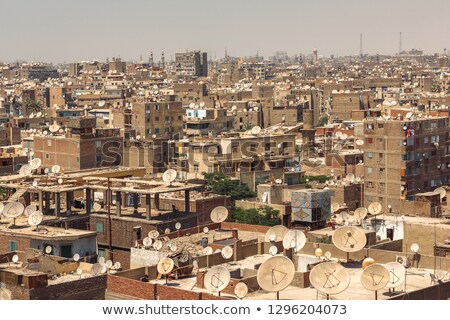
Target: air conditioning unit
x=403, y=260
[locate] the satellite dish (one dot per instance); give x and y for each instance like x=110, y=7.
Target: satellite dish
x=109, y=264
x=2, y=206
x=205, y=230
x=408, y=115
x=147, y=241
x=241, y=290
x=117, y=265
x=375, y=277
x=227, y=252
x=329, y=278
x=56, y=169
x=79, y=271
x=35, y=218
x=273, y=250
x=178, y=225
x=153, y=234
x=219, y=214
x=415, y=247
x=191, y=105
x=54, y=128
x=157, y=245
x=278, y=181
x=29, y=210
x=101, y=103
x=335, y=207
x=15, y=258
x=294, y=239
x=350, y=177
x=360, y=213
x=5, y=294
x=97, y=206
x=256, y=130
x=442, y=192
x=48, y=249
x=25, y=170
x=217, y=279
x=318, y=252
x=207, y=251
x=13, y=209
x=76, y=257
x=169, y=175
x=202, y=104
x=167, y=230
x=374, y=208
x=275, y=274
x=327, y=255
x=35, y=163
x=46, y=170
x=349, y=239
x=359, y=142
x=104, y=269
x=279, y=231
x=397, y=274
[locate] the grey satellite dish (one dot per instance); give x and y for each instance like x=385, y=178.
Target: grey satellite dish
x=329, y=278
x=76, y=257
x=217, y=278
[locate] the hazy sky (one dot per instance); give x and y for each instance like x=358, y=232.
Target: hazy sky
x=60, y=30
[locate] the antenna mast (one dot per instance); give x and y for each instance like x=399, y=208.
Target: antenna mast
x=361, y=52
x=400, y=44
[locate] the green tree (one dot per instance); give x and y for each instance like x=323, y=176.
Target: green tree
x=264, y=216
x=221, y=184
x=32, y=106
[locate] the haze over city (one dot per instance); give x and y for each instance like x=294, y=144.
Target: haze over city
x=58, y=31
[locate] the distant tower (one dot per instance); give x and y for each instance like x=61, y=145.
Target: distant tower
x=140, y=59
x=361, y=52
x=163, y=61
x=150, y=59
x=315, y=56
x=400, y=44
x=226, y=54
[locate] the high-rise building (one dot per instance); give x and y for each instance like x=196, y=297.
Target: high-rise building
x=193, y=63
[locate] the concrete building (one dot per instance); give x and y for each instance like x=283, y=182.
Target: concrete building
x=193, y=64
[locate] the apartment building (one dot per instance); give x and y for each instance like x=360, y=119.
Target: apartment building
x=193, y=63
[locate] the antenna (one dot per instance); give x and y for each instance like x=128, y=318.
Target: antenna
x=165, y=266
x=375, y=277
x=329, y=278
x=279, y=231
x=400, y=44
x=227, y=252
x=241, y=290
x=361, y=52
x=219, y=214
x=275, y=274
x=217, y=278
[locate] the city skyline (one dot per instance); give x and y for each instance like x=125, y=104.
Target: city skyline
x=57, y=32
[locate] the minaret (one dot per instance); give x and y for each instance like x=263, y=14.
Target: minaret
x=163, y=61
x=150, y=59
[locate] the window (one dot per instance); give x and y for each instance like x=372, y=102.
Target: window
x=98, y=158
x=195, y=167
x=98, y=144
x=426, y=140
x=369, y=155
x=369, y=140
x=49, y=142
x=46, y=155
x=380, y=126
x=316, y=214
x=369, y=170
x=12, y=246
x=101, y=253
x=99, y=227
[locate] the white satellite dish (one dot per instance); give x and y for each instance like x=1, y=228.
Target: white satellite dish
x=13, y=209
x=409, y=115
x=219, y=214
x=350, y=177
x=101, y=103
x=60, y=181
x=104, y=269
x=294, y=239
x=359, y=142
x=157, y=245
x=374, y=208
x=415, y=247
x=54, y=128
x=256, y=130
x=35, y=218
x=96, y=269
x=15, y=258
x=217, y=278
x=205, y=230
x=101, y=260
x=117, y=265
x=241, y=290
x=76, y=257
x=173, y=247
x=153, y=234
x=35, y=163
x=169, y=175
x=202, y=104
x=147, y=241
x=273, y=250
x=207, y=251
x=167, y=231
x=227, y=252
x=48, y=249
x=28, y=210
x=178, y=225
x=79, y=271
x=25, y=170
x=56, y=169
x=165, y=266
x=278, y=181
x=109, y=264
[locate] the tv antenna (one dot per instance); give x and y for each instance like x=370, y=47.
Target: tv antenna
x=216, y=279
x=329, y=278
x=375, y=277
x=219, y=214
x=275, y=274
